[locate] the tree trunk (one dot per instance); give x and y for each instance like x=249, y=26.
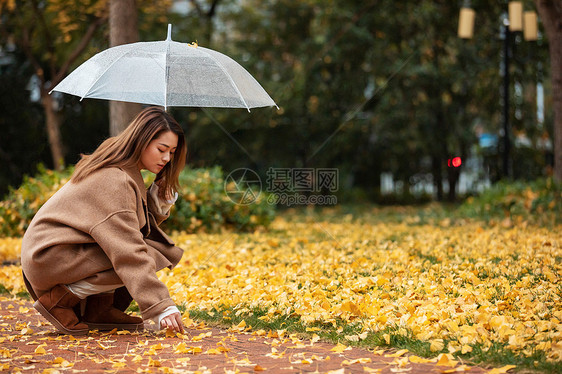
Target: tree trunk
x=53, y=130
x=453, y=178
x=207, y=17
x=121, y=114
x=123, y=29
x=436, y=170
x=550, y=12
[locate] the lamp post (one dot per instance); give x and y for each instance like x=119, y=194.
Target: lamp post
x=506, y=164
x=515, y=21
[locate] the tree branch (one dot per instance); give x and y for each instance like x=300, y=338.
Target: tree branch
x=213, y=9
x=197, y=7
x=47, y=34
x=78, y=50
x=26, y=46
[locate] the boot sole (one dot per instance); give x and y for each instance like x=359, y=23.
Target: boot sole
x=118, y=326
x=59, y=326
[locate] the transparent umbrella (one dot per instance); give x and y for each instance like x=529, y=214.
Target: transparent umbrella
x=166, y=73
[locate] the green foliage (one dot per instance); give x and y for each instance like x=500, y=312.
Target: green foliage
x=202, y=204
x=538, y=202
x=365, y=87
x=20, y=205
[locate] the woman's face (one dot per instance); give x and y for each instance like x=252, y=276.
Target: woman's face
x=159, y=152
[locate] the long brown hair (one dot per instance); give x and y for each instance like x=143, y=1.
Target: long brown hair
x=125, y=149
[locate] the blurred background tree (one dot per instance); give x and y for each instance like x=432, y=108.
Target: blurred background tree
x=551, y=13
x=52, y=35
x=368, y=87
x=123, y=29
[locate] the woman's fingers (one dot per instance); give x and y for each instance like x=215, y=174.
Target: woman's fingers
x=176, y=322
x=172, y=322
x=168, y=322
x=180, y=322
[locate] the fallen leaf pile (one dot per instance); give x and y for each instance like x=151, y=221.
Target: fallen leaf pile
x=10, y=249
x=452, y=286
x=461, y=285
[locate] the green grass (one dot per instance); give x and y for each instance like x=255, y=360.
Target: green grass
x=22, y=294
x=496, y=355
x=538, y=203
x=4, y=290
x=428, y=213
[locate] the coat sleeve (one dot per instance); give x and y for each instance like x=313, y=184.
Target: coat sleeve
x=120, y=237
x=122, y=242
x=155, y=206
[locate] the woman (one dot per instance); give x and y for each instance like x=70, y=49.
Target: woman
x=95, y=245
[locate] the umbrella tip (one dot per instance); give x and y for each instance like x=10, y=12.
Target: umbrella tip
x=169, y=32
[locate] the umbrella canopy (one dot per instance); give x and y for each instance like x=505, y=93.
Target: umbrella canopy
x=166, y=73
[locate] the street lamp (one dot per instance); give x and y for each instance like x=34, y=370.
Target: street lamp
x=515, y=21
x=466, y=22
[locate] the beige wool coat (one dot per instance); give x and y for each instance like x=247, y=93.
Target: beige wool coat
x=103, y=229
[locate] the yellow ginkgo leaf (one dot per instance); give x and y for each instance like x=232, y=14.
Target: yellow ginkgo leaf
x=445, y=359
x=364, y=360
x=351, y=307
x=40, y=349
x=339, y=348
x=458, y=369
x=437, y=345
x=398, y=353
x=502, y=370
x=419, y=360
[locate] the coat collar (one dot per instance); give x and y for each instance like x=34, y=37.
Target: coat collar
x=134, y=172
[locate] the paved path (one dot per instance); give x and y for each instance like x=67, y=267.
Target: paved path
x=28, y=343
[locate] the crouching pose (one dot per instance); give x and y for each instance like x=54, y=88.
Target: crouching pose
x=95, y=245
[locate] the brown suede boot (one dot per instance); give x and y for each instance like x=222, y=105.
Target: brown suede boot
x=122, y=298
x=56, y=306
x=100, y=314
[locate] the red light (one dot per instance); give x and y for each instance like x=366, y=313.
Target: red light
x=454, y=162
x=457, y=162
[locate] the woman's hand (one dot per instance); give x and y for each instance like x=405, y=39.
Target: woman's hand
x=162, y=193
x=172, y=322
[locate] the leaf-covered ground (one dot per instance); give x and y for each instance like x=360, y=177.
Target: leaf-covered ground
x=29, y=344
x=480, y=292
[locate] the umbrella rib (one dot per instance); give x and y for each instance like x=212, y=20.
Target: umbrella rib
x=230, y=79
x=102, y=74
x=167, y=70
